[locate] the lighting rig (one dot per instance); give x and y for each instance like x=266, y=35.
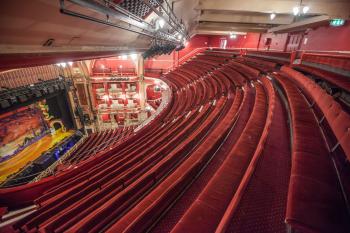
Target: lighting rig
x=14, y=97
x=166, y=27
x=159, y=48
x=302, y=9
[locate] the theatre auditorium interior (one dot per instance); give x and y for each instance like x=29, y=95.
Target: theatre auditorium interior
x=175, y=116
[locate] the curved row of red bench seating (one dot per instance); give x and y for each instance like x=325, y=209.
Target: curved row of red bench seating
x=314, y=216
x=338, y=61
x=248, y=174
x=333, y=68
x=218, y=114
x=274, y=56
x=26, y=194
x=334, y=79
x=260, y=205
x=337, y=118
x=65, y=201
x=315, y=202
x=96, y=142
x=151, y=213
x=261, y=65
x=207, y=210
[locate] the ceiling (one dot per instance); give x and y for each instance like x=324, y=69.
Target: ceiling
x=223, y=16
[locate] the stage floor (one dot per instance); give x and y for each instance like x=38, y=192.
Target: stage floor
x=30, y=153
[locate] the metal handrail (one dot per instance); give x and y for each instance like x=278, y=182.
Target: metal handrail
x=166, y=96
x=104, y=145
x=97, y=149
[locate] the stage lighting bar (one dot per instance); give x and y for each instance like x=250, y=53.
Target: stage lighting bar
x=13, y=97
x=111, y=11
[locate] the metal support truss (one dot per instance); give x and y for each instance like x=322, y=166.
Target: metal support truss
x=125, y=20
x=172, y=22
x=172, y=17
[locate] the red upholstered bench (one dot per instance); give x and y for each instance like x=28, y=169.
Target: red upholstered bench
x=315, y=202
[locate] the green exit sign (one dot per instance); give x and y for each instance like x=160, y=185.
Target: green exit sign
x=337, y=22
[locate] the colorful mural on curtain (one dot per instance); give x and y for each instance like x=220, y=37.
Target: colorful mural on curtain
x=20, y=128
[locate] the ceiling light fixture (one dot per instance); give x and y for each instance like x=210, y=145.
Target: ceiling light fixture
x=272, y=16
x=296, y=10
x=301, y=9
x=133, y=56
x=306, y=9
x=161, y=23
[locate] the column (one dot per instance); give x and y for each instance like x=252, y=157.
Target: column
x=141, y=87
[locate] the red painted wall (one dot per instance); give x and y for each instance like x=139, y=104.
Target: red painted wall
x=241, y=41
x=328, y=39
x=251, y=40
x=159, y=62
x=113, y=64
x=294, y=41
x=278, y=41
x=198, y=41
